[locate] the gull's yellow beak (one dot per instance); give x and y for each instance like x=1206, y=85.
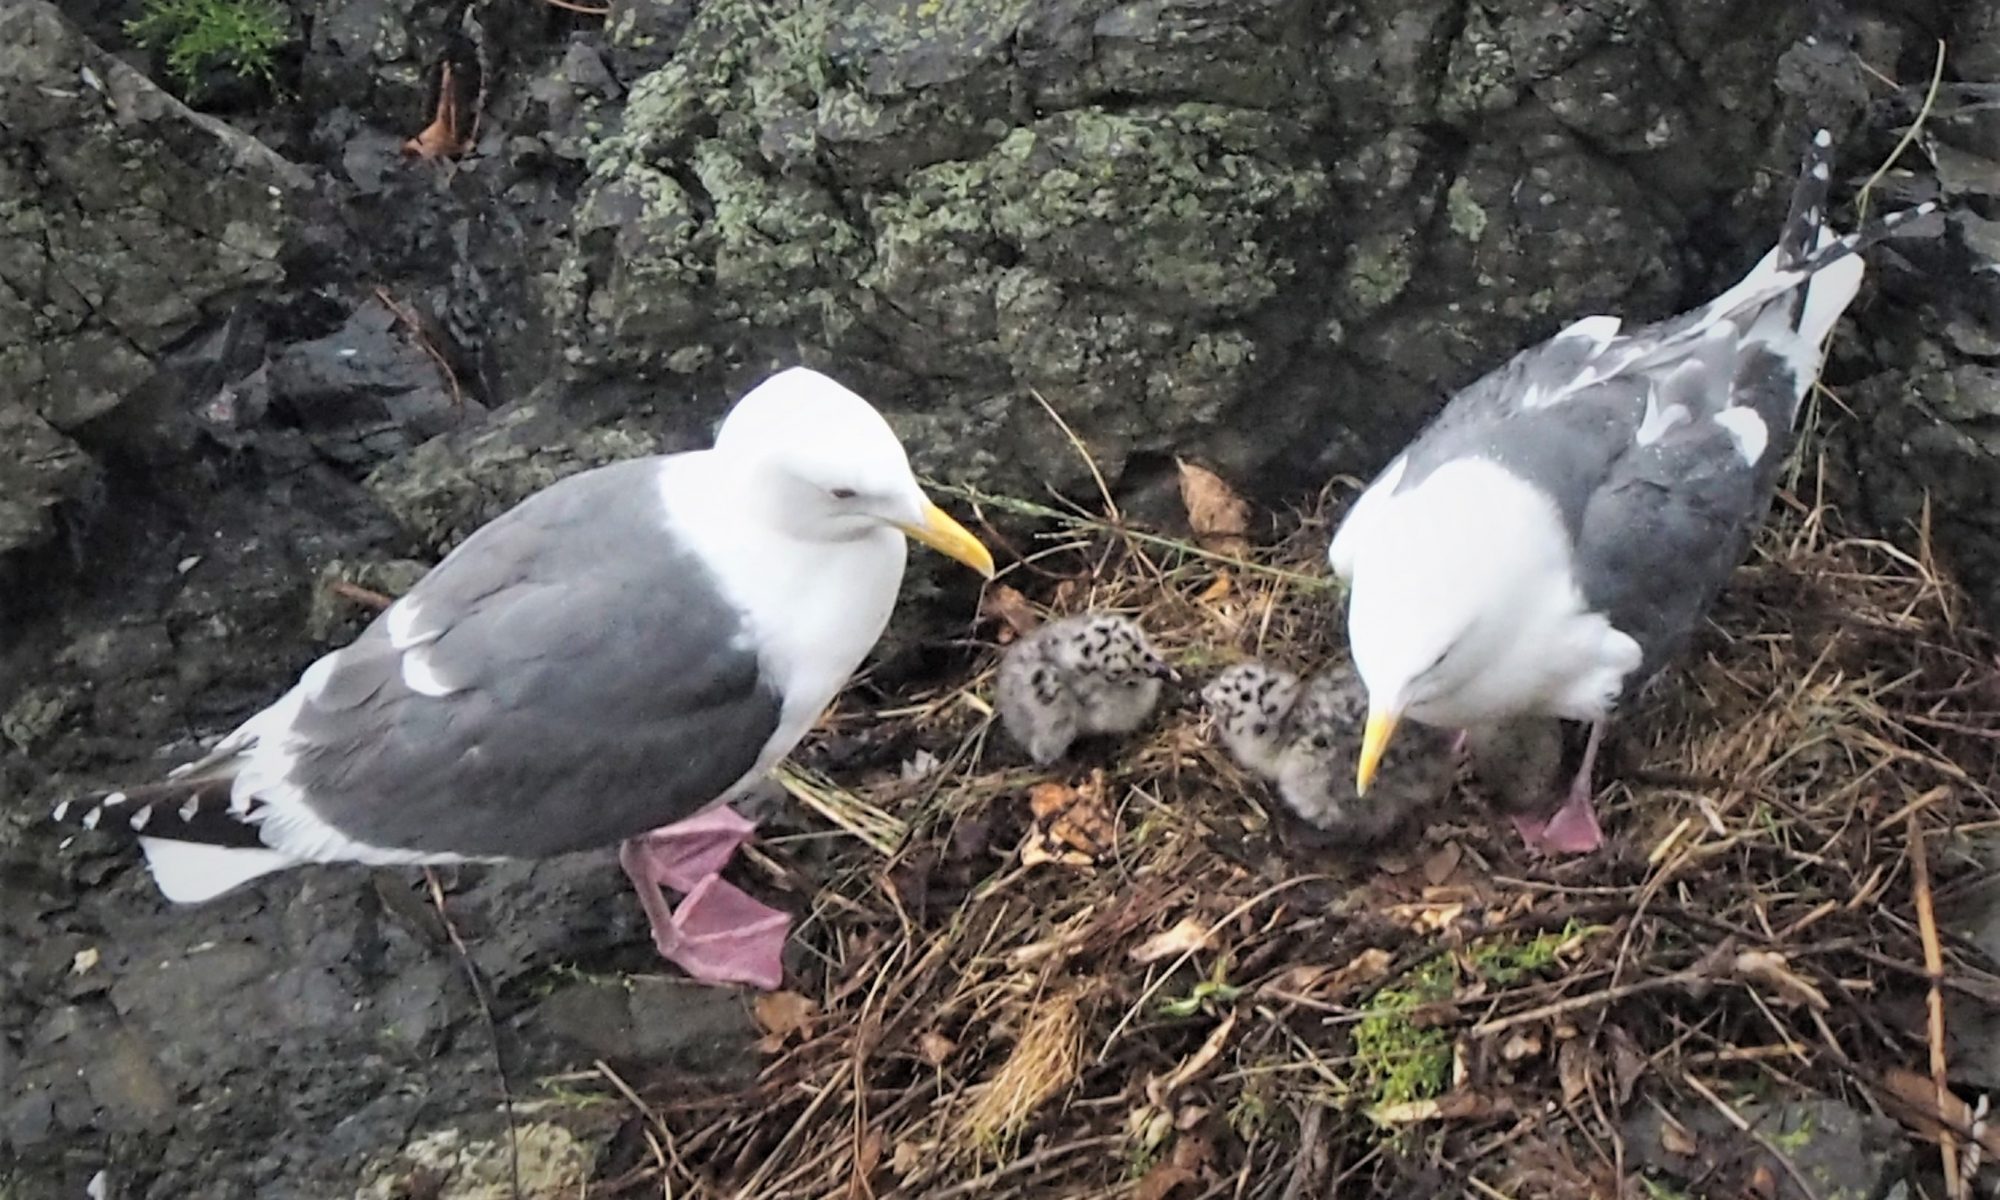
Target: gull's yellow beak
x=948, y=537
x=1374, y=740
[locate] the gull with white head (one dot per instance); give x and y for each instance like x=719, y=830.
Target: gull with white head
x=610, y=662
x=1555, y=534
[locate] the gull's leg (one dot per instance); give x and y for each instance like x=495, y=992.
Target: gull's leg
x=719, y=934
x=1573, y=828
x=639, y=869
x=684, y=853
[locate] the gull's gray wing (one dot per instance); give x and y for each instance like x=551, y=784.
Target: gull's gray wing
x=579, y=679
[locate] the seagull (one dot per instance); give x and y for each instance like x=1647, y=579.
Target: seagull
x=1090, y=673
x=1301, y=734
x=1550, y=540
x=611, y=661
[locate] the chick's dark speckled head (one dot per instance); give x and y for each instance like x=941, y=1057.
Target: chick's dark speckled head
x=1251, y=704
x=1315, y=773
x=1105, y=646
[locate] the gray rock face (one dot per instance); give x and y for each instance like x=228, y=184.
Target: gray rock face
x=1841, y=1154
x=1267, y=233
x=126, y=221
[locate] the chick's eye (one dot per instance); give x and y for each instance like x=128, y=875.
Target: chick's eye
x=841, y=493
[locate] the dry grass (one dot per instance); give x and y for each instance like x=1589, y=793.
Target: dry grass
x=982, y=1028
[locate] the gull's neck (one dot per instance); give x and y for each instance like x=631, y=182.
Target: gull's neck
x=816, y=607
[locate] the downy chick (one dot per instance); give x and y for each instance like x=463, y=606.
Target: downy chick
x=1091, y=673
x=1304, y=736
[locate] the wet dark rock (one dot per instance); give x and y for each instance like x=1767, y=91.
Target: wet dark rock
x=452, y=485
x=644, y=34
x=656, y=1022
x=125, y=221
x=368, y=390
x=1842, y=1154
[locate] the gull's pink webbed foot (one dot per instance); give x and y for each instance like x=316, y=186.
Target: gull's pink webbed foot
x=1573, y=828
x=720, y=933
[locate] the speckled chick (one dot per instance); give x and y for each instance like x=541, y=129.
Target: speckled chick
x=1092, y=673
x=1316, y=770
x=1251, y=704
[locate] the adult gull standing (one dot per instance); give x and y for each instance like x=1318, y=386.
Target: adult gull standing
x=1553, y=536
x=611, y=661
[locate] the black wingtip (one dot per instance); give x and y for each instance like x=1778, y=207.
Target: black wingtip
x=197, y=810
x=1800, y=236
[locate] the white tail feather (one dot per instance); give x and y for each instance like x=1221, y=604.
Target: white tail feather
x=191, y=872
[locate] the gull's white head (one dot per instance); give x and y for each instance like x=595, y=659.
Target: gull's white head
x=1438, y=576
x=827, y=467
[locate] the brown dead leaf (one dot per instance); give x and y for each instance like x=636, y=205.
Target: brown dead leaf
x=1573, y=1069
x=1628, y=1063
x=1763, y=1183
x=1452, y=1106
x=1772, y=969
x=1439, y=866
x=1073, y=826
x=1675, y=1138
x=1217, y=591
x=1017, y=617
x=1046, y=800
x=1187, y=934
x=1331, y=982
x=1160, y=1091
x=1426, y=918
x=1219, y=517
x=867, y=1157
x=1914, y=1100
x=780, y=1015
x=1190, y=1156
x=443, y=137
x=936, y=1048
x=1161, y=1179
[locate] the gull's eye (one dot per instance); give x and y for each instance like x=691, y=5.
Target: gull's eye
x=842, y=493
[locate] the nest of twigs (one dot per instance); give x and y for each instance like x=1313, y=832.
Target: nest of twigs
x=1122, y=978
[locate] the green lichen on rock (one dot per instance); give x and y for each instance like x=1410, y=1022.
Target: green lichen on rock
x=863, y=181
x=539, y=1158
x=37, y=714
x=451, y=485
x=1468, y=220
x=1378, y=269
x=1180, y=201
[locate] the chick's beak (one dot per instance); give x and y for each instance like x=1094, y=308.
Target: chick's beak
x=1374, y=740
x=946, y=536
